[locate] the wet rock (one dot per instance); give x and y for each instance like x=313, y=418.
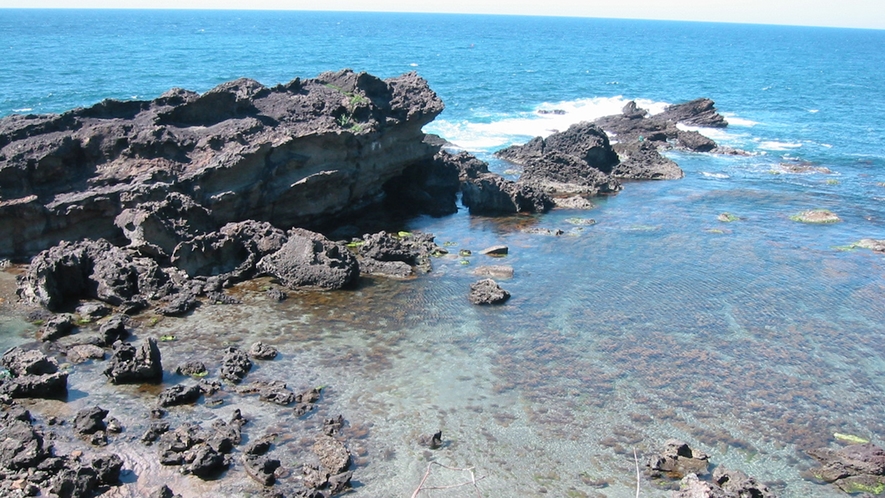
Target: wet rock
x=32, y=375
x=178, y=304
x=871, y=244
x=89, y=269
x=192, y=369
x=114, y=425
x=573, y=202
x=93, y=311
x=179, y=395
x=20, y=362
x=562, y=174
x=699, y=112
x=332, y=426
x=84, y=352
x=692, y=487
x=677, y=459
x=164, y=492
x=553, y=232
x=276, y=295
x=221, y=298
x=57, y=327
x=391, y=269
x=261, y=468
x=816, y=216
x=584, y=141
x=154, y=432
x=487, y=291
x=262, y=351
x=694, y=141
x=309, y=260
x=491, y=194
x=497, y=271
x=130, y=365
x=642, y=161
x=273, y=391
x=107, y=468
x=396, y=255
x=333, y=455
x=739, y=484
x=854, y=468
x=204, y=462
x=235, y=365
x=499, y=250
x=89, y=421
x=432, y=441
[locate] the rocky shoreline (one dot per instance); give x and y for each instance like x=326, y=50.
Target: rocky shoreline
x=125, y=207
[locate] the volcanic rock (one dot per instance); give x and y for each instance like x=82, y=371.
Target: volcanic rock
x=487, y=291
x=309, y=260
x=294, y=154
x=490, y=194
x=235, y=365
x=130, y=365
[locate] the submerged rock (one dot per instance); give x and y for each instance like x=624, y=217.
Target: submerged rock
x=816, y=216
x=677, y=459
x=855, y=468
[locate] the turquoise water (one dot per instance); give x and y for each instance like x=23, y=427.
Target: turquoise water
x=753, y=340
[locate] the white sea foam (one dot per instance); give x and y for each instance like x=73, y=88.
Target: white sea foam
x=714, y=175
x=733, y=120
x=547, y=118
x=23, y=109
x=775, y=145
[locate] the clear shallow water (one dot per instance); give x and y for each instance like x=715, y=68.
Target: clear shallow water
x=753, y=340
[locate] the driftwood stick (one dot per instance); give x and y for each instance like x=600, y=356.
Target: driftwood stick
x=636, y=461
x=473, y=480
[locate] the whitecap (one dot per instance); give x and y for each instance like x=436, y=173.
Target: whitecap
x=814, y=111
x=714, y=175
x=414, y=64
x=501, y=130
x=733, y=120
x=775, y=145
x=23, y=109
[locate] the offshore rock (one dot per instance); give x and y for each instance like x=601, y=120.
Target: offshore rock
x=642, y=161
x=561, y=173
x=293, y=155
x=491, y=194
x=310, y=260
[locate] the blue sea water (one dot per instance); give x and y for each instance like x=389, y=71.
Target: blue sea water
x=753, y=340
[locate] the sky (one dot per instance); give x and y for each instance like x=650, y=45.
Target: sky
x=837, y=13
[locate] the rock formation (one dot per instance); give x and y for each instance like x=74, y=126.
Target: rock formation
x=293, y=155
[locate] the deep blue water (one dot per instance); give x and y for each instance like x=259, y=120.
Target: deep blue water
x=754, y=340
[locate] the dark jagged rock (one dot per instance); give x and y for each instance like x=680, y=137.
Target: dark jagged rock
x=24, y=446
x=192, y=368
x=179, y=395
x=82, y=353
x=89, y=421
x=93, y=269
x=693, y=140
x=489, y=193
x=201, y=452
x=164, y=492
x=273, y=391
x=309, y=260
x=560, y=173
x=57, y=327
x=698, y=112
x=585, y=141
x=114, y=329
x=235, y=365
x=32, y=375
x=154, y=432
x=291, y=155
x=135, y=365
x=677, y=459
x=396, y=255
x=427, y=188
x=262, y=351
x=739, y=484
x=487, y=291
x=467, y=165
x=642, y=161
x=276, y=295
x=107, y=468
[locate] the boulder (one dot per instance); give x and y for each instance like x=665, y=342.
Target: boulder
x=82, y=353
x=309, y=260
x=129, y=364
x=678, y=459
x=487, y=291
x=57, y=327
x=262, y=351
x=179, y=395
x=32, y=375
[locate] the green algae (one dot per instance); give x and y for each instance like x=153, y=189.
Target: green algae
x=850, y=438
x=816, y=216
x=727, y=217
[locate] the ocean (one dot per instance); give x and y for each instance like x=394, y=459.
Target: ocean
x=753, y=340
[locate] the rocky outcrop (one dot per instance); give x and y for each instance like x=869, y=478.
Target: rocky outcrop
x=854, y=469
x=293, y=155
x=31, y=374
